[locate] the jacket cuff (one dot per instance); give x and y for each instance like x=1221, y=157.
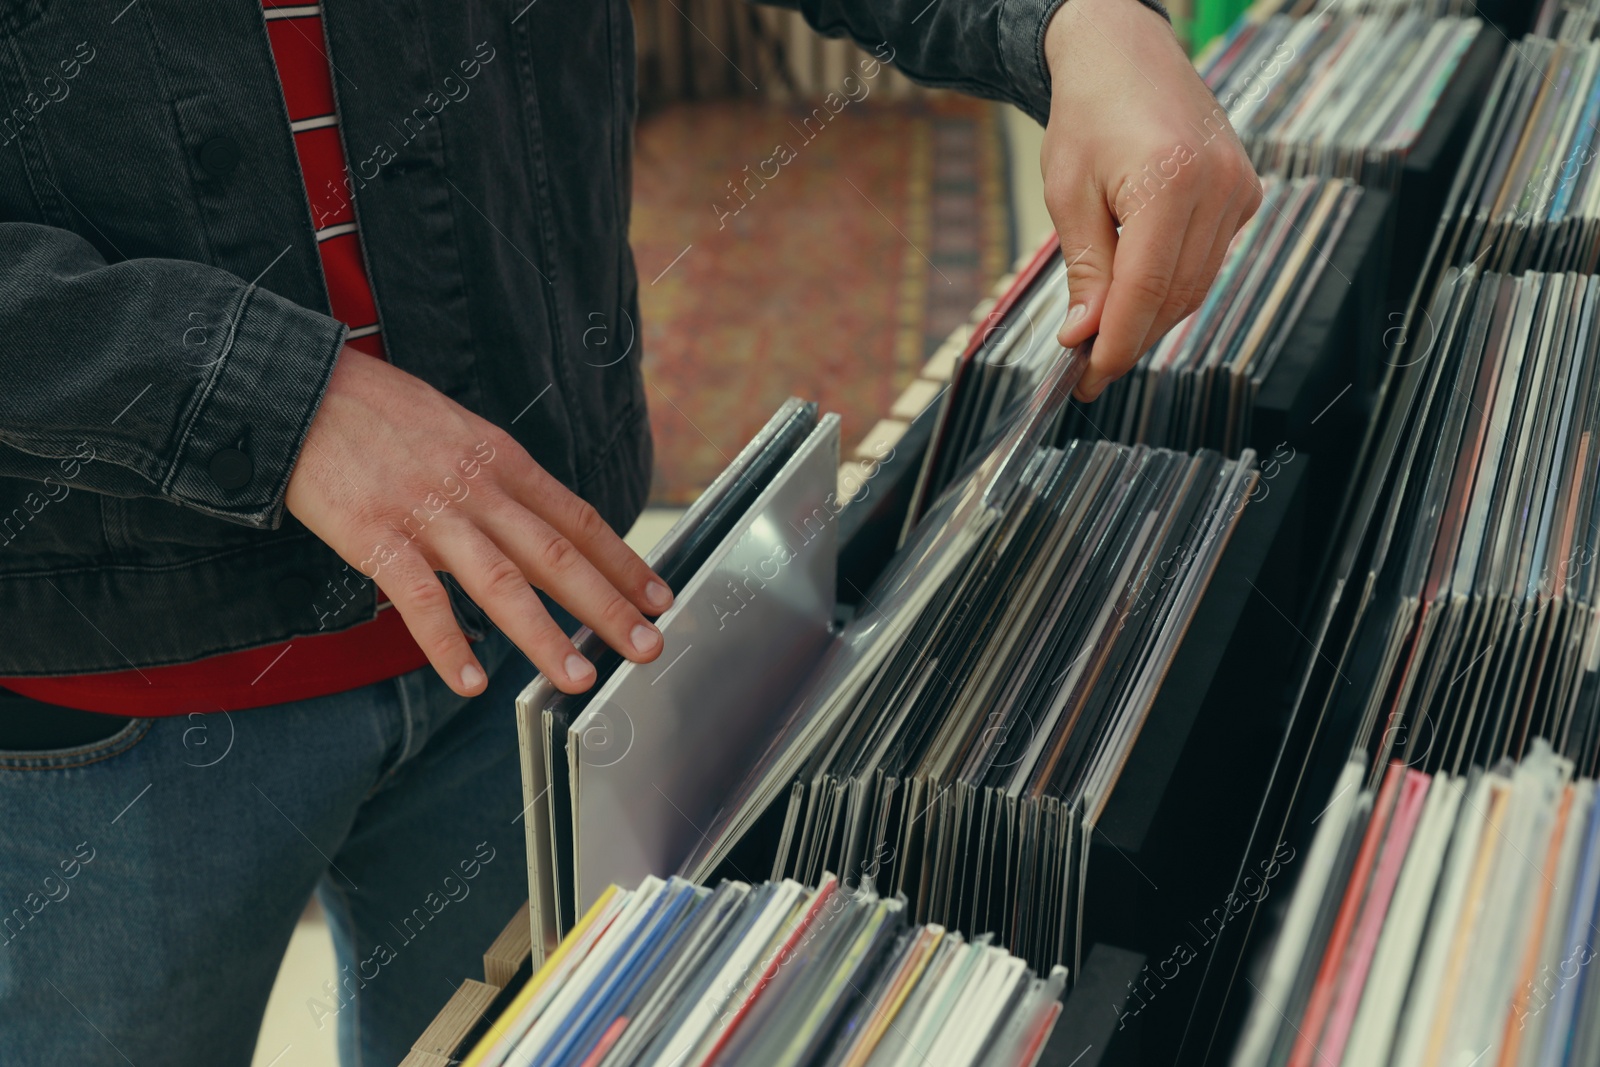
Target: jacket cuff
x=1022, y=26
x=241, y=434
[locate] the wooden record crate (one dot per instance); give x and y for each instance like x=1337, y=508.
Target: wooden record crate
x=475, y=1005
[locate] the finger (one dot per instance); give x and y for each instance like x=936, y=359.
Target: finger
x=1196, y=270
x=1240, y=197
x=421, y=600
x=497, y=585
x=1252, y=196
x=1147, y=258
x=1088, y=237
x=554, y=564
x=1220, y=243
x=576, y=519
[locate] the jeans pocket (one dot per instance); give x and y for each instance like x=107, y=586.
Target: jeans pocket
x=61, y=759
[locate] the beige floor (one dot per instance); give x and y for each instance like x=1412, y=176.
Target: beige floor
x=289, y=1036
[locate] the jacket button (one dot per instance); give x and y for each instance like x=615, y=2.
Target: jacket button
x=231, y=469
x=219, y=156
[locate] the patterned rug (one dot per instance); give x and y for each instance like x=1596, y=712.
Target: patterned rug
x=824, y=255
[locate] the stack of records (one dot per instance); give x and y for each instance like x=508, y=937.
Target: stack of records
x=1525, y=197
x=1443, y=912
x=1441, y=918
x=1001, y=369
x=1336, y=95
x=957, y=742
x=1263, y=9
x=686, y=547
x=1197, y=387
x=962, y=739
x=970, y=769
x=615, y=778
x=1484, y=607
x=1569, y=20
x=680, y=976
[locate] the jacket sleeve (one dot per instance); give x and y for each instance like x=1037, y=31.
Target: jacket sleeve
x=153, y=377
x=989, y=48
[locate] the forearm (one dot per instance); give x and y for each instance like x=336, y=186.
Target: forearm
x=171, y=379
x=990, y=48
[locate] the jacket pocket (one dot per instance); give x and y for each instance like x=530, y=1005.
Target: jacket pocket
x=153, y=527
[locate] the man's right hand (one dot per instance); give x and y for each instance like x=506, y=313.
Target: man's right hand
x=384, y=451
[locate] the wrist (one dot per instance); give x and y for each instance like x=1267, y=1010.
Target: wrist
x=1073, y=18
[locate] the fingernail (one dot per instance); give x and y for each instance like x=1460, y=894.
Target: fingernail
x=577, y=668
x=1075, y=315
x=1090, y=385
x=658, y=595
x=471, y=677
x=644, y=638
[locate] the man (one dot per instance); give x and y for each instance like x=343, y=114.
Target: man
x=336, y=262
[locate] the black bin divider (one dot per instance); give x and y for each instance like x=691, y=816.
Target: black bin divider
x=1094, y=1028
x=1166, y=856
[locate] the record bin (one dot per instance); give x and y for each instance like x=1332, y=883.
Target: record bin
x=1175, y=831
x=1093, y=1030
x=1430, y=167
x=1176, y=813
x=1319, y=396
x=869, y=527
x=1316, y=399
x=1166, y=860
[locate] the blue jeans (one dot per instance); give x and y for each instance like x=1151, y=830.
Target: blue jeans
x=149, y=883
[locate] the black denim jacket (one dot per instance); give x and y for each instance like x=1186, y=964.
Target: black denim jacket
x=164, y=329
